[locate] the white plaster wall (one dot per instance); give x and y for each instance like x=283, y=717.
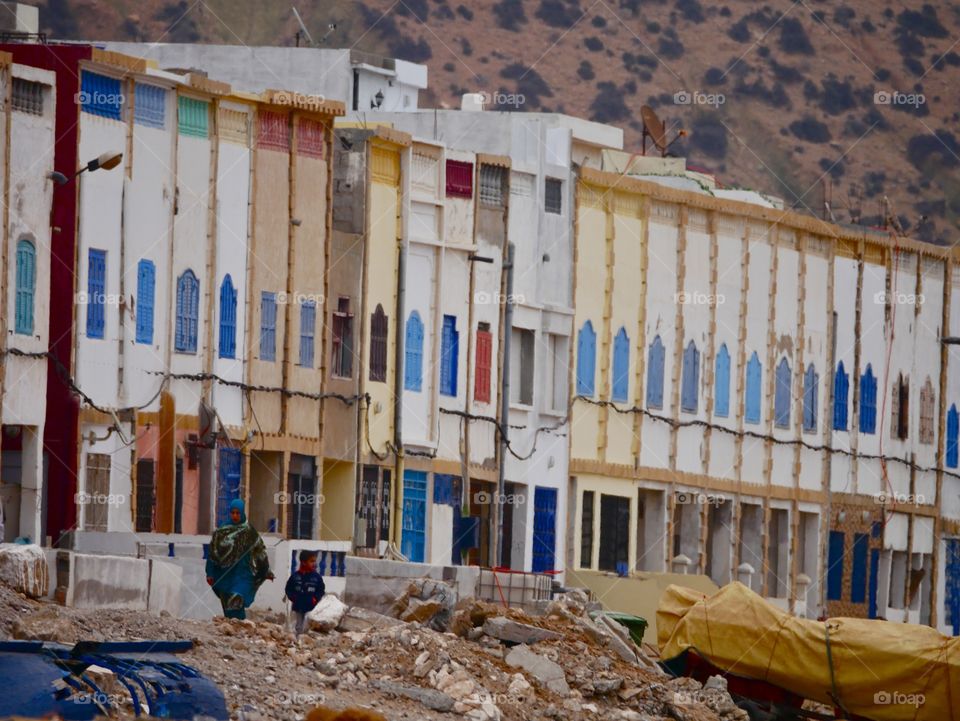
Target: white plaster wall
x=148, y=214
x=101, y=198
x=844, y=305
x=873, y=346
x=816, y=347
x=729, y=285
x=787, y=338
x=454, y=292
x=233, y=192
x=189, y=251
x=758, y=304
x=31, y=158
x=419, y=414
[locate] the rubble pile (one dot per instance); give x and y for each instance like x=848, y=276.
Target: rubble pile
x=473, y=660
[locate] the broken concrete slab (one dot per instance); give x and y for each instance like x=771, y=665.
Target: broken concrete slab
x=23, y=567
x=509, y=631
x=327, y=614
x=542, y=669
x=359, y=619
x=432, y=699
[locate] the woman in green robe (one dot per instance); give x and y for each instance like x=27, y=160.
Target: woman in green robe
x=237, y=563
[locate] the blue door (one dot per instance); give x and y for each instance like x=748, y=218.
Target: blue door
x=544, y=528
x=228, y=482
x=414, y=515
x=874, y=575
x=953, y=585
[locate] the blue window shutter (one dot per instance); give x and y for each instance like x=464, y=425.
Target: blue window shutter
x=781, y=396
x=952, y=585
x=100, y=95
x=413, y=351
x=268, y=326
x=188, y=312
x=953, y=430
x=689, y=400
x=721, y=405
x=621, y=366
x=858, y=574
x=835, y=566
x=811, y=383
x=96, y=290
x=752, y=400
x=146, y=285
x=655, y=374
x=228, y=319
x=841, y=385
x=308, y=324
x=26, y=281
x=149, y=105
x=868, y=402
x=414, y=519
x=586, y=359
x=449, y=356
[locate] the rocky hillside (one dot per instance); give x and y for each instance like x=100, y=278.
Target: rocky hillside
x=848, y=101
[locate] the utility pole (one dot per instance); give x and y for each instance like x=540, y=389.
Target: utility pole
x=504, y=411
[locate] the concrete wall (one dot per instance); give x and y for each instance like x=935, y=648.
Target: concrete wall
x=376, y=584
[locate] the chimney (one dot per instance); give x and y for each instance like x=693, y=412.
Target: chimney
x=20, y=19
x=472, y=102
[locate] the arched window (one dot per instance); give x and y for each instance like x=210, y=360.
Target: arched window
x=26, y=282
x=146, y=285
x=449, y=355
x=721, y=403
x=841, y=386
x=188, y=306
x=811, y=383
x=379, y=326
x=953, y=430
x=868, y=402
x=655, y=374
x=752, y=399
x=586, y=359
x=228, y=318
x=413, y=352
x=691, y=378
x=621, y=366
x=781, y=395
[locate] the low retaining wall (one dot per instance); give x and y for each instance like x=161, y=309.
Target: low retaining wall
x=100, y=581
x=376, y=583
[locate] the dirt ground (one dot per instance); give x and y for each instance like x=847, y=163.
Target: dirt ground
x=401, y=670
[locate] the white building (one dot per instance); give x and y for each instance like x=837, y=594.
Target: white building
x=27, y=125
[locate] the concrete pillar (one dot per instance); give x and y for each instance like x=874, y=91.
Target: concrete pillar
x=803, y=586
x=680, y=564
x=745, y=574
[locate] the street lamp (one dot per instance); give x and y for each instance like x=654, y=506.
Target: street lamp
x=107, y=161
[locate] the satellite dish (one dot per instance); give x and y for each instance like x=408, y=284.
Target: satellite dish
x=656, y=130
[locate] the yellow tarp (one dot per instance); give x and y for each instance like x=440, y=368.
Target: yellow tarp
x=876, y=669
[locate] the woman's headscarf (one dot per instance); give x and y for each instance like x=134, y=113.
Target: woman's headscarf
x=240, y=506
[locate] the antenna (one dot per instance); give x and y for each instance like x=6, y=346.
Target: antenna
x=656, y=130
x=303, y=28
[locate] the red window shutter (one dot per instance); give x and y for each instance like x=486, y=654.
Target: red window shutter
x=459, y=179
x=310, y=138
x=481, y=390
x=273, y=131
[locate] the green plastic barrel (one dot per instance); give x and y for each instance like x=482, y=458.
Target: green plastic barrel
x=634, y=624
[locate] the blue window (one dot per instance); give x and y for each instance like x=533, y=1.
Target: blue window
x=655, y=374
x=752, y=405
x=621, y=366
x=586, y=359
x=841, y=386
x=308, y=324
x=413, y=352
x=781, y=396
x=188, y=312
x=146, y=286
x=811, y=383
x=868, y=402
x=149, y=105
x=835, y=566
x=96, y=292
x=953, y=430
x=858, y=577
x=689, y=399
x=721, y=406
x=268, y=326
x=26, y=283
x=100, y=95
x=449, y=355
x=952, y=585
x=228, y=318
